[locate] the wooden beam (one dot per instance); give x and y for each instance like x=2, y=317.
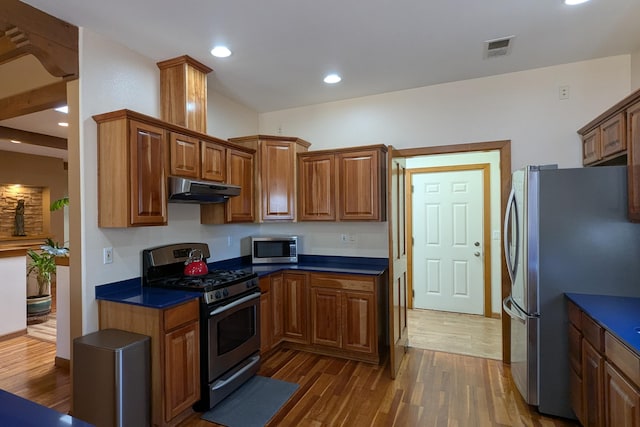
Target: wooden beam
x=53, y=41
x=33, y=138
x=43, y=98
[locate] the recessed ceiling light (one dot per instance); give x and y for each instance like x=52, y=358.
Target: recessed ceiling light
x=64, y=109
x=574, y=2
x=332, y=78
x=220, y=52
x=16, y=141
x=63, y=124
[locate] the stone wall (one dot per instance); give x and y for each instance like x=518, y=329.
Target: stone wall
x=33, y=209
x=31, y=171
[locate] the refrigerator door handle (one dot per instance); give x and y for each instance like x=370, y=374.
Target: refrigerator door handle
x=511, y=201
x=509, y=307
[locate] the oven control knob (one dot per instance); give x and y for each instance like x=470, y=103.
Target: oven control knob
x=225, y=292
x=217, y=295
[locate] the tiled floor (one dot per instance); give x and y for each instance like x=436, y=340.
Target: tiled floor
x=455, y=333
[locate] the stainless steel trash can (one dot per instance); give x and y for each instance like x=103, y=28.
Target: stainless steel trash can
x=111, y=378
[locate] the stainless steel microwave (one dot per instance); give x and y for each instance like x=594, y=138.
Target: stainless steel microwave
x=274, y=249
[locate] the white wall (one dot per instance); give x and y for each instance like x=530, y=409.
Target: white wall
x=635, y=70
x=493, y=158
x=322, y=238
x=63, y=340
x=228, y=119
x=114, y=77
x=523, y=107
x=13, y=295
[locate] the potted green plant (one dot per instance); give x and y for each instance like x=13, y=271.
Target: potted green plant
x=59, y=204
x=43, y=264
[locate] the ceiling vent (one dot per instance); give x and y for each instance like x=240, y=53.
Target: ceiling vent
x=498, y=47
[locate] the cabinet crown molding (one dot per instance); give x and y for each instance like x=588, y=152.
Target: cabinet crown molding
x=184, y=60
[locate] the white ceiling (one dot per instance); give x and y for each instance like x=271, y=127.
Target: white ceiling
x=283, y=48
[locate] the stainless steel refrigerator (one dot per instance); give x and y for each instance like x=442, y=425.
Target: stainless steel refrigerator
x=565, y=230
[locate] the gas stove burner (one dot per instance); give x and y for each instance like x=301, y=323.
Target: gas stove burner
x=163, y=267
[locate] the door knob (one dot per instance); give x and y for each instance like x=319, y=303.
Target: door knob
x=476, y=253
x=476, y=244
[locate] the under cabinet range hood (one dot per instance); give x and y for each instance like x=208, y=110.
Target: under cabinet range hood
x=183, y=190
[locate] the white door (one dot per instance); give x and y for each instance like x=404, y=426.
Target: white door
x=448, y=235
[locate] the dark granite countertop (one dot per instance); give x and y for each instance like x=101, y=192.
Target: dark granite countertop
x=131, y=291
x=618, y=315
x=17, y=411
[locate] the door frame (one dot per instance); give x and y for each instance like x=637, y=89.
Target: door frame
x=504, y=148
x=486, y=225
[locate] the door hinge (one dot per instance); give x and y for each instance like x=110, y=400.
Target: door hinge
x=412, y=188
x=412, y=241
x=413, y=293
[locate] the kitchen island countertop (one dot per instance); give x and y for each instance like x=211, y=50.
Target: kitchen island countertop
x=618, y=315
x=17, y=411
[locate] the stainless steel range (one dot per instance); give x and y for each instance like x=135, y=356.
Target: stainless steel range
x=229, y=316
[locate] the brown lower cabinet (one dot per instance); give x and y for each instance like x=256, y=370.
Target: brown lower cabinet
x=175, y=353
x=605, y=382
x=327, y=313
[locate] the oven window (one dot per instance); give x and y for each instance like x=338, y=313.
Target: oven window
x=272, y=249
x=236, y=329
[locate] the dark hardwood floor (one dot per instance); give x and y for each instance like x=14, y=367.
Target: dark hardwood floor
x=432, y=389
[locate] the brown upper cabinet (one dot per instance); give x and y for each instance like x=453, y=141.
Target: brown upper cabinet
x=136, y=153
x=275, y=174
x=239, y=171
x=344, y=185
x=200, y=160
x=132, y=184
x=316, y=187
x=183, y=92
x=613, y=138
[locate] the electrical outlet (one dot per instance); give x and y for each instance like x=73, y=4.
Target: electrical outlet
x=107, y=255
x=344, y=238
x=228, y=241
x=563, y=92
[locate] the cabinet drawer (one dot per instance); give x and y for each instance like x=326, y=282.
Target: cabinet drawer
x=348, y=282
x=591, y=147
x=184, y=313
x=621, y=356
x=574, y=315
x=613, y=135
x=592, y=332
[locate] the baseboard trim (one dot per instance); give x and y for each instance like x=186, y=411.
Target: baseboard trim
x=13, y=335
x=496, y=316
x=63, y=363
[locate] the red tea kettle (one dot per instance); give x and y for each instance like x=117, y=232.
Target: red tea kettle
x=195, y=265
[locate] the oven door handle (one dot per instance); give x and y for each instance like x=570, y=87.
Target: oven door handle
x=221, y=383
x=235, y=303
